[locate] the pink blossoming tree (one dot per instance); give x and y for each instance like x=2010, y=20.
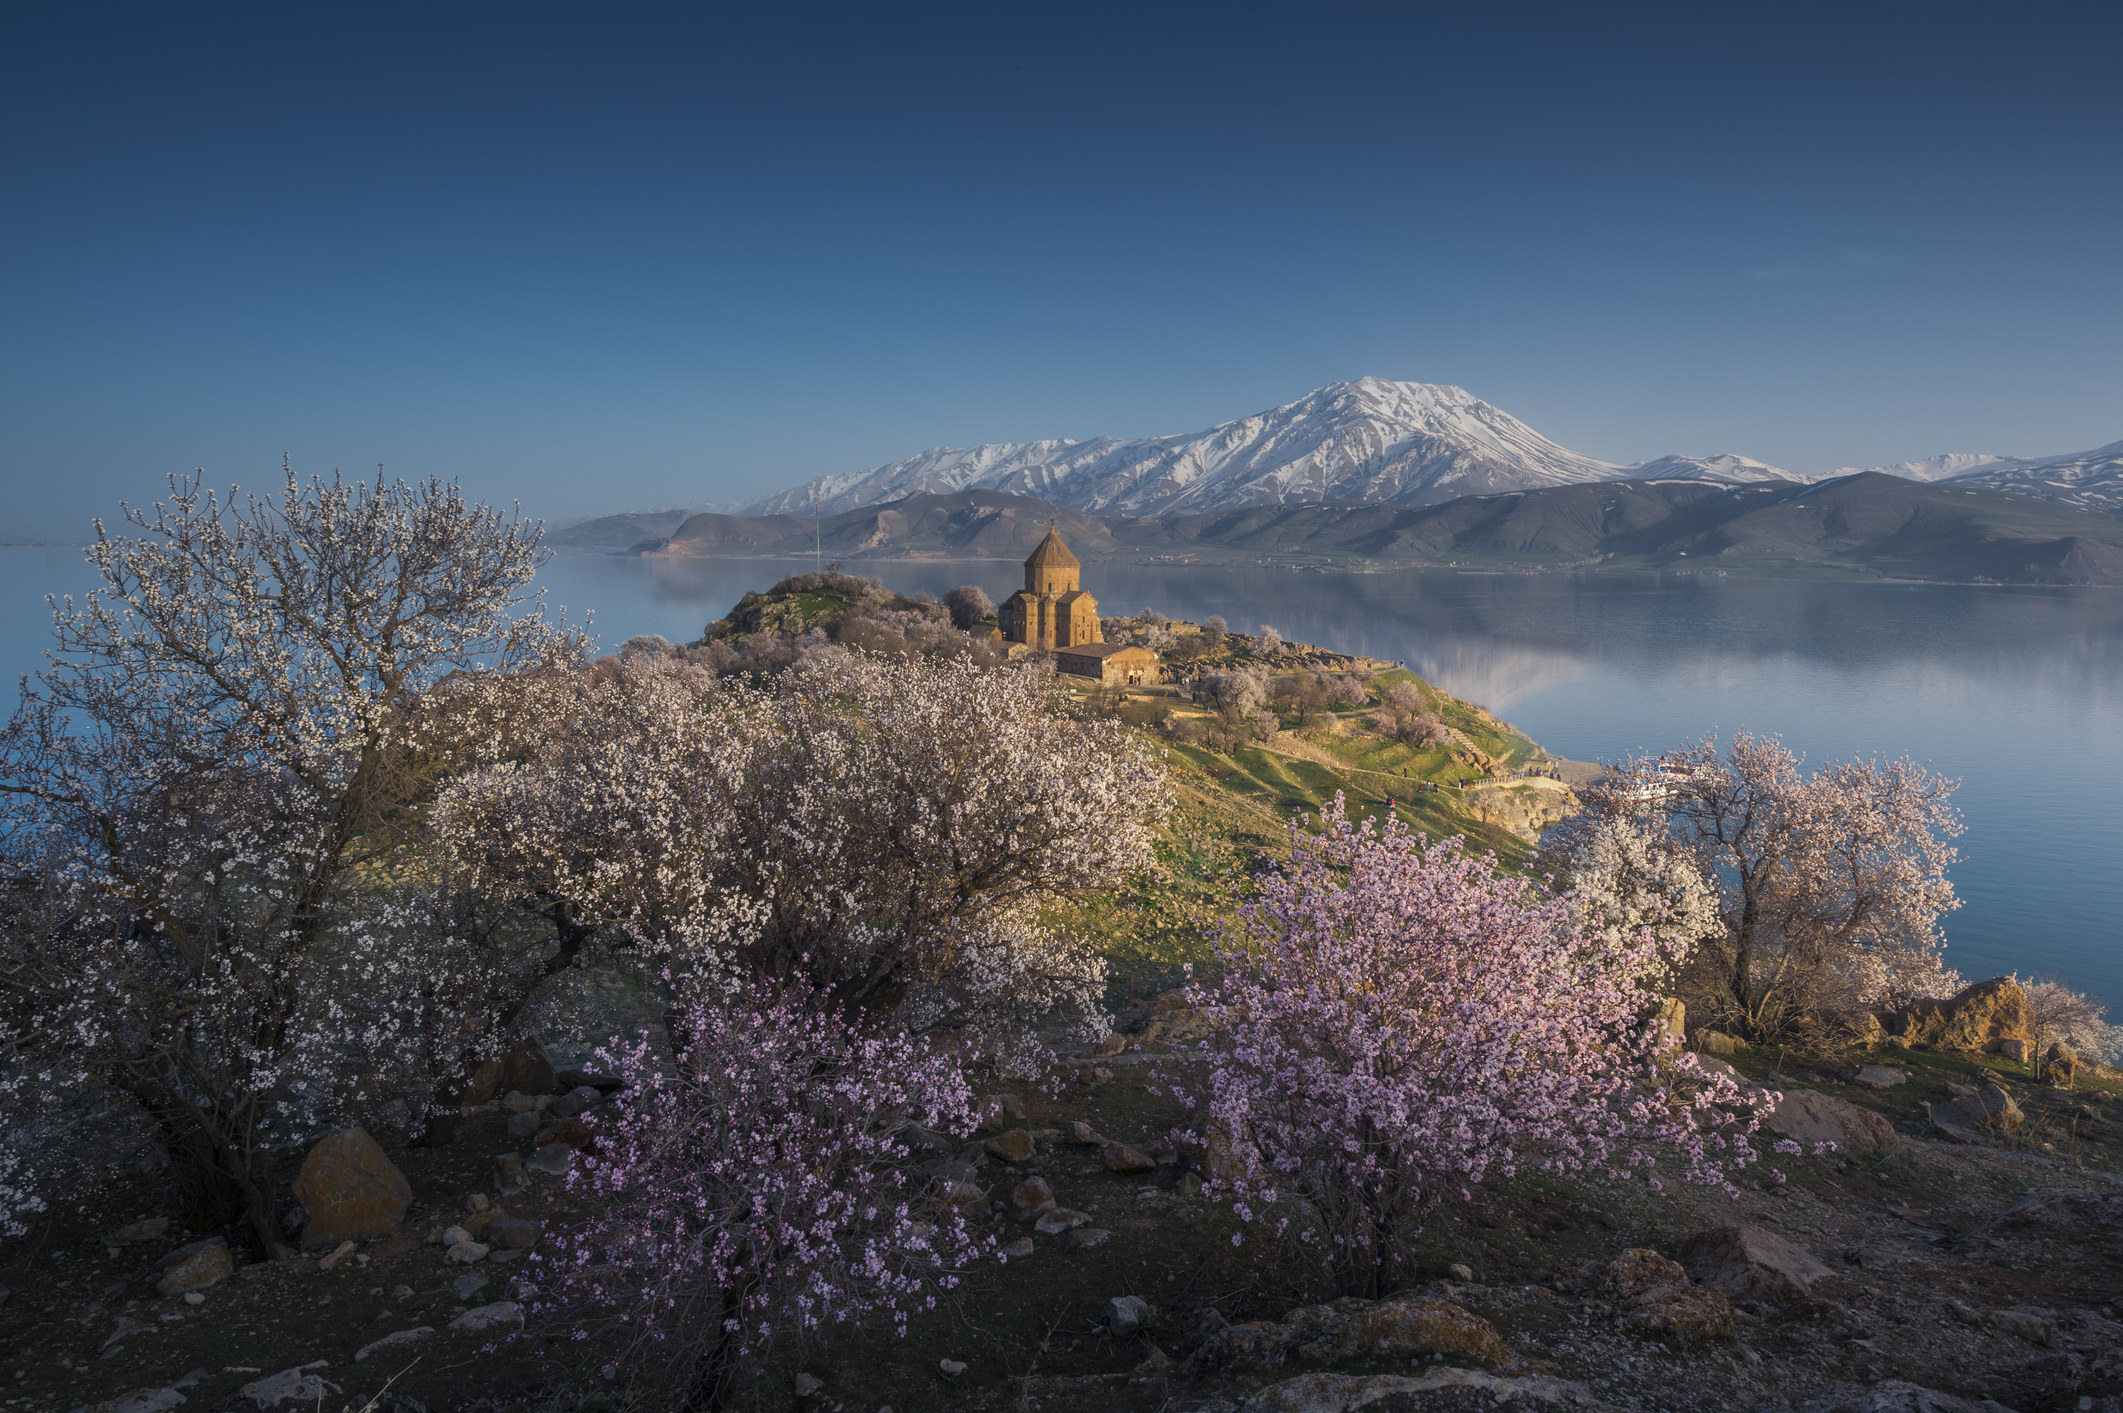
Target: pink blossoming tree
x=1397, y=1022
x=763, y=1189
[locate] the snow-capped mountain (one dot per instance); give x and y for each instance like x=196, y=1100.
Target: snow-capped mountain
x=2090, y=480
x=1935, y=468
x=1725, y=467
x=1368, y=440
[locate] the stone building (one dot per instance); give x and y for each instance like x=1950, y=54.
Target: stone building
x=1112, y=664
x=1052, y=611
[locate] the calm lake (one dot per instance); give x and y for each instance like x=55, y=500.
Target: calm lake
x=2017, y=692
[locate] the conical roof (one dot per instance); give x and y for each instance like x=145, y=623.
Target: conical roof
x=1051, y=553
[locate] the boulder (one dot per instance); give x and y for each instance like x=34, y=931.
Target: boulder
x=1634, y=1272
x=1670, y=1020
x=1083, y=1135
x=579, y=1100
x=1717, y=1042
x=512, y=1233
x=1880, y=1076
x=350, y=1190
x=577, y=1079
x=197, y=1267
x=1679, y=1314
x=468, y=1252
x=150, y=1229
x=569, y=1133
x=296, y=1386
x=1030, y=1200
x=498, y=1315
x=1859, y=1027
x=554, y=1160
x=1086, y=1237
x=1107, y=1048
x=2012, y=1048
x=1976, y=1017
x=1018, y=1250
x=1896, y=1396
x=1013, y=1145
x=1977, y=1117
x=1810, y=1118
x=1171, y=1020
x=1748, y=1263
x=1059, y=1220
x=1356, y=1329
x=525, y=1124
x=2060, y=1066
x=396, y=1339
x=1440, y=1388
x=1120, y=1158
x=485, y=1084
x=526, y=1068
x=1125, y=1314
x=144, y=1400
x=518, y=1102
x=509, y=1176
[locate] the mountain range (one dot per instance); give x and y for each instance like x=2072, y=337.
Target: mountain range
x=1371, y=440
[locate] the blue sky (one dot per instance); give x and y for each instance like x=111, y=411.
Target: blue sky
x=618, y=256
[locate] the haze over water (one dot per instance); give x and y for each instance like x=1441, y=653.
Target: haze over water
x=2018, y=692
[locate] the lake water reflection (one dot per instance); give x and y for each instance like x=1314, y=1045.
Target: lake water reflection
x=2019, y=692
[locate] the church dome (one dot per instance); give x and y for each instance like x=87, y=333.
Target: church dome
x=1052, y=554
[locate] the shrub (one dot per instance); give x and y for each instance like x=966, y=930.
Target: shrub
x=1397, y=1022
x=968, y=605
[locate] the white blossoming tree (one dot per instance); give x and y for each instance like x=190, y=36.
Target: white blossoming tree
x=207, y=789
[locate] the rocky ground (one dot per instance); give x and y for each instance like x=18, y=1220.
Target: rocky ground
x=1903, y=1262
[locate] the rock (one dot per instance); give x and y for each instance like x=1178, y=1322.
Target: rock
x=208, y=1265
x=2034, y=1326
x=1634, y=1272
x=1083, y=1135
x=466, y=1286
x=485, y=1083
x=961, y=1194
x=525, y=1124
x=1354, y=1329
x=396, y=1339
x=127, y=1325
x=950, y=1368
x=1030, y=1200
x=1125, y=1314
x=576, y=1101
x=1679, y=1314
x=808, y=1385
x=1401, y=1393
x=1977, y=1117
x=1748, y=1263
x=1810, y=1118
x=146, y=1400
x=150, y=1229
x=1120, y=1158
x=569, y=1133
x=572, y=1080
x=1881, y=1076
x=526, y=1068
x=476, y=1202
x=288, y=1386
x=1172, y=1020
x=468, y=1252
x=193, y=1297
x=2060, y=1066
x=489, y=1317
x=517, y=1103
x=1059, y=1220
x=1862, y=1027
x=339, y=1253
x=350, y=1190
x=1974, y=1018
x=1896, y=1396
x=1670, y=1020
x=1190, y=1185
x=1717, y=1042
x=513, y=1233
x=1107, y=1048
x=454, y=1236
x=509, y=1176
x=1013, y=1145
x=1460, y=1273
x=2012, y=1048
x=1084, y=1238
x=554, y=1160
x=990, y=1110
x=1017, y=1250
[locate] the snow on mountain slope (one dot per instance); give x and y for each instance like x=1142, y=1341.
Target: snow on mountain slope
x=1373, y=439
x=2090, y=480
x=1934, y=468
x=1725, y=467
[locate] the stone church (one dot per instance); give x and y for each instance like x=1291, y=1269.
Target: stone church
x=1052, y=613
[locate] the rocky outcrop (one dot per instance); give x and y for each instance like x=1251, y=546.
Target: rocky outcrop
x=1399, y=1393
x=1656, y=1300
x=350, y=1190
x=1524, y=807
x=1978, y=1117
x=1811, y=1118
x=1982, y=1018
x=1748, y=1263
x=1171, y=1020
x=1355, y=1329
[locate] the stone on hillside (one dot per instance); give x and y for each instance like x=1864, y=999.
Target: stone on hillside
x=1125, y=1314
x=576, y=1079
x=350, y=1190
x=339, y=1253
x=509, y=1176
x=1120, y=1158
x=1355, y=1329
x=527, y=1069
x=1670, y=1021
x=1717, y=1042
x=993, y=1109
x=452, y=1235
x=1977, y=1017
x=209, y=1265
x=1030, y=1200
x=1017, y=1250
x=1083, y=1135
x=1748, y=1263
x=2060, y=1066
x=512, y=1233
x=575, y=1101
x=554, y=1160
x=1862, y=1027
x=525, y=1124
x=150, y=1229
x=1172, y=1021
x=1013, y=1145
x=2012, y=1048
x=1634, y=1272
x=296, y=1386
x=1678, y=1313
x=467, y=1252
x=489, y=1317
x=1059, y=1220
x=1896, y=1396
x=1881, y=1076
x=145, y=1400
x=518, y=1102
x=1084, y=1238
x=1443, y=1387
x=1107, y=1048
x=396, y=1339
x=568, y=1133
x=950, y=1368
x=485, y=1084
x=1809, y=1117
x=961, y=1194
x=467, y=1286
x=2034, y=1326
x=1977, y=1117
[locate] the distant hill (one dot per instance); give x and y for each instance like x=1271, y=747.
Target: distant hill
x=616, y=534
x=1869, y=523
